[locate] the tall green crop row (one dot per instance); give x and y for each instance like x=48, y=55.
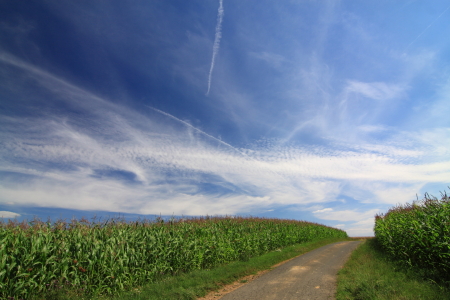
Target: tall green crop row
x=104, y=258
x=418, y=235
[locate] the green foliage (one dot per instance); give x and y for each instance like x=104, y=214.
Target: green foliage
x=96, y=258
x=418, y=235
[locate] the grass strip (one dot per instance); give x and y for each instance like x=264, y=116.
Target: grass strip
x=198, y=283
x=370, y=274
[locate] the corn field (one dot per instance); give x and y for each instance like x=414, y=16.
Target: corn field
x=101, y=258
x=418, y=235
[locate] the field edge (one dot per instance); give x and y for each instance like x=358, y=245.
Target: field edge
x=371, y=274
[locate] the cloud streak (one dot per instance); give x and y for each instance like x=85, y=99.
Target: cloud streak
x=197, y=130
x=8, y=215
x=216, y=45
x=409, y=45
x=375, y=90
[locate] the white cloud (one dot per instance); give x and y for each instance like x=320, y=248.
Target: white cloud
x=359, y=223
x=273, y=59
x=360, y=231
x=345, y=215
x=267, y=176
x=362, y=228
x=8, y=215
x=56, y=160
x=112, y=196
x=376, y=90
x=322, y=210
x=372, y=128
x=396, y=195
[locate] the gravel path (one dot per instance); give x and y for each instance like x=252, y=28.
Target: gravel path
x=308, y=276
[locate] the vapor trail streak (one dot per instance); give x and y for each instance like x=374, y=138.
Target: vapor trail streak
x=426, y=28
x=216, y=42
x=196, y=129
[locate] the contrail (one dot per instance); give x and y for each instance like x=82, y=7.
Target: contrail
x=426, y=29
x=216, y=42
x=196, y=129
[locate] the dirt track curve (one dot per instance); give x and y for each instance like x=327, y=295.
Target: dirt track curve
x=308, y=276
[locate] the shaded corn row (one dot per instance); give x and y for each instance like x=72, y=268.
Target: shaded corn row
x=418, y=235
x=104, y=258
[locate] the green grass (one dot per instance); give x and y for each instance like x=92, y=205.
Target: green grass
x=371, y=274
x=198, y=283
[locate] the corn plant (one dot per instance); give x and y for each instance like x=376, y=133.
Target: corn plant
x=418, y=235
x=95, y=258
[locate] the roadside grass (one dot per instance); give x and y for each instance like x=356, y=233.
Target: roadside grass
x=198, y=283
x=370, y=274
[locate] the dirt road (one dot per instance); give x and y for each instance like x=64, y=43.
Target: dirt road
x=309, y=276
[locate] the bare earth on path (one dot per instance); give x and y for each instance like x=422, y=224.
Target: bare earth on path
x=308, y=276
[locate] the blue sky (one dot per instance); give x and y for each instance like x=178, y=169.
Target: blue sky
x=325, y=111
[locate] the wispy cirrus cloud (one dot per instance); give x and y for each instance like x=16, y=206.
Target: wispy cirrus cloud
x=273, y=59
x=102, y=156
x=376, y=90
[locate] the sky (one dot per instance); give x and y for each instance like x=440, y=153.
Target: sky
x=322, y=111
